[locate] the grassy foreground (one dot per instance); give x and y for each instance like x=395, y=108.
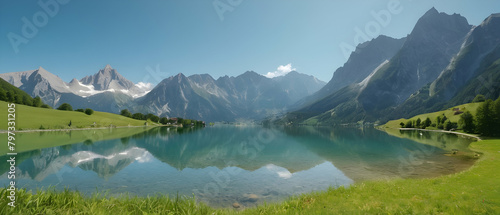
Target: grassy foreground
x=475, y=191
x=32, y=118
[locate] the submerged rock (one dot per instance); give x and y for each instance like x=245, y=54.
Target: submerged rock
x=250, y=198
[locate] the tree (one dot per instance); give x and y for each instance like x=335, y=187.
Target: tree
x=126, y=113
x=46, y=106
x=27, y=101
x=496, y=113
x=138, y=116
x=409, y=124
x=65, y=106
x=3, y=95
x=438, y=120
x=18, y=99
x=89, y=111
x=80, y=110
x=70, y=123
x=402, y=124
x=479, y=98
x=37, y=102
x=466, y=122
x=427, y=122
x=10, y=96
x=448, y=125
x=443, y=120
x=417, y=123
x=155, y=118
x=485, y=119
x=152, y=117
x=164, y=120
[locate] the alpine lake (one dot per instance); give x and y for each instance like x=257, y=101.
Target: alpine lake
x=226, y=164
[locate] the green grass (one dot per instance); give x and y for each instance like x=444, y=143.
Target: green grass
x=31, y=118
x=311, y=121
x=475, y=191
x=69, y=202
x=449, y=113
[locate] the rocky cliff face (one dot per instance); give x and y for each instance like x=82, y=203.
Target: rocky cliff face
x=427, y=51
x=435, y=39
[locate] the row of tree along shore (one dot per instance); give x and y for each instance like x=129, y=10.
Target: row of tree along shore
x=486, y=120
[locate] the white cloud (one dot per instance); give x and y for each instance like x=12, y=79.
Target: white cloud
x=281, y=71
x=282, y=172
x=146, y=86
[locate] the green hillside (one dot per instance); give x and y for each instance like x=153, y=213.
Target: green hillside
x=31, y=118
x=449, y=113
x=9, y=92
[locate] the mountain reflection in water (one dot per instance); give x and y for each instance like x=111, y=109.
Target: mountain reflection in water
x=221, y=165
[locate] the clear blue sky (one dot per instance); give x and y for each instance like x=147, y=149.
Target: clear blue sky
x=189, y=37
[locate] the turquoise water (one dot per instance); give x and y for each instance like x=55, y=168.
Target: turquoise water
x=222, y=165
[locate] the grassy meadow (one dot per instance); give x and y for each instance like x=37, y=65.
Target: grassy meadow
x=449, y=113
x=32, y=118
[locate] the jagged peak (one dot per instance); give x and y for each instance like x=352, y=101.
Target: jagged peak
x=250, y=73
x=73, y=81
x=432, y=11
x=108, y=67
x=180, y=75
x=41, y=70
x=293, y=72
x=433, y=20
x=490, y=19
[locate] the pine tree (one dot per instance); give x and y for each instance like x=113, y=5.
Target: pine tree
x=485, y=118
x=448, y=125
x=466, y=122
x=427, y=122
x=443, y=120
x=496, y=116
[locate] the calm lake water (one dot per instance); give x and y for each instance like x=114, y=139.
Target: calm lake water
x=222, y=165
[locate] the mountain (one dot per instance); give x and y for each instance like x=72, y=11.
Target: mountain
x=473, y=71
x=38, y=82
x=299, y=86
x=178, y=96
x=367, y=56
x=433, y=42
x=106, y=91
x=9, y=92
x=107, y=78
x=435, y=39
x=247, y=96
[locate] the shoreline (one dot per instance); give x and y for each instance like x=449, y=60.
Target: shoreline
x=441, y=131
x=75, y=129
